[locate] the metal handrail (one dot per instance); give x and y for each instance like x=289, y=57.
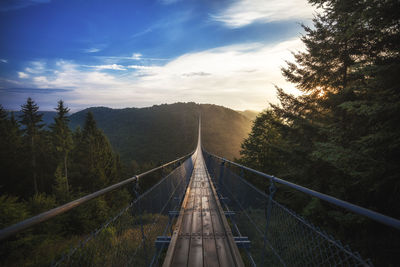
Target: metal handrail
x=18, y=227
x=337, y=202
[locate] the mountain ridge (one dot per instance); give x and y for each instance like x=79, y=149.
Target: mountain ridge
x=160, y=133
x=163, y=132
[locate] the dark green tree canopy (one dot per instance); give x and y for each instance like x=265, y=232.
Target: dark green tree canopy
x=31, y=118
x=341, y=136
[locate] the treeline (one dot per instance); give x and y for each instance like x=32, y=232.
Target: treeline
x=43, y=168
x=341, y=136
x=162, y=133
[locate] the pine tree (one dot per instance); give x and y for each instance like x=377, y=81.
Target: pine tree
x=62, y=138
x=95, y=163
x=263, y=147
x=349, y=76
x=13, y=179
x=31, y=119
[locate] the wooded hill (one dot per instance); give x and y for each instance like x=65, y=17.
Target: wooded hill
x=164, y=132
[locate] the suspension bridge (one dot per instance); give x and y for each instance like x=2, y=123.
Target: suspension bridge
x=205, y=213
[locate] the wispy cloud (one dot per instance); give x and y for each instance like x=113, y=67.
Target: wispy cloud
x=22, y=75
x=92, y=50
x=168, y=2
x=36, y=67
x=36, y=90
x=6, y=5
x=109, y=67
x=140, y=67
x=191, y=74
x=238, y=76
x=244, y=12
x=2, y=60
x=143, y=32
x=134, y=57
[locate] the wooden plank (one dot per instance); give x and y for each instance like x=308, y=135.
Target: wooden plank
x=206, y=216
x=229, y=252
x=196, y=242
x=205, y=238
x=224, y=253
x=181, y=253
x=210, y=252
x=209, y=246
x=196, y=251
x=169, y=258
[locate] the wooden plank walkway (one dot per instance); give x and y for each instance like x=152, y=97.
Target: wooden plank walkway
x=202, y=236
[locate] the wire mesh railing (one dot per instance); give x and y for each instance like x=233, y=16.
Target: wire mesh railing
x=129, y=238
x=126, y=239
x=278, y=236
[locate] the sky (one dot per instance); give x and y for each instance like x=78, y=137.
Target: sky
x=131, y=53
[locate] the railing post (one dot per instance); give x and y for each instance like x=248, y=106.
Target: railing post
x=272, y=190
x=140, y=211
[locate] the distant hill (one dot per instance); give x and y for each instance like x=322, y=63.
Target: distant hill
x=48, y=116
x=163, y=132
x=250, y=114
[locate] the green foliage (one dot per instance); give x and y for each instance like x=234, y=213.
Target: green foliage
x=11, y=162
x=31, y=119
x=12, y=210
x=88, y=217
x=341, y=136
x=94, y=162
x=62, y=138
x=68, y=164
x=60, y=187
x=41, y=202
x=264, y=145
x=162, y=133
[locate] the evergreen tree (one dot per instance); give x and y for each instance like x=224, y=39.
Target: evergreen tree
x=352, y=97
x=11, y=150
x=31, y=119
x=95, y=163
x=62, y=138
x=342, y=135
x=263, y=147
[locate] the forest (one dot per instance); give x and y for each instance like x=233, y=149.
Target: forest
x=46, y=162
x=162, y=133
x=341, y=135
x=42, y=169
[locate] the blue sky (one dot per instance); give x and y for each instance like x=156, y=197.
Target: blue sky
x=129, y=53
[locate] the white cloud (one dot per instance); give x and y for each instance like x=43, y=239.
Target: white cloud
x=109, y=67
x=237, y=76
x=22, y=75
x=40, y=80
x=125, y=59
x=245, y=12
x=36, y=67
x=140, y=67
x=92, y=50
x=2, y=60
x=136, y=56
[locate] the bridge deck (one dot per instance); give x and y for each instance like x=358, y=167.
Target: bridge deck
x=202, y=236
